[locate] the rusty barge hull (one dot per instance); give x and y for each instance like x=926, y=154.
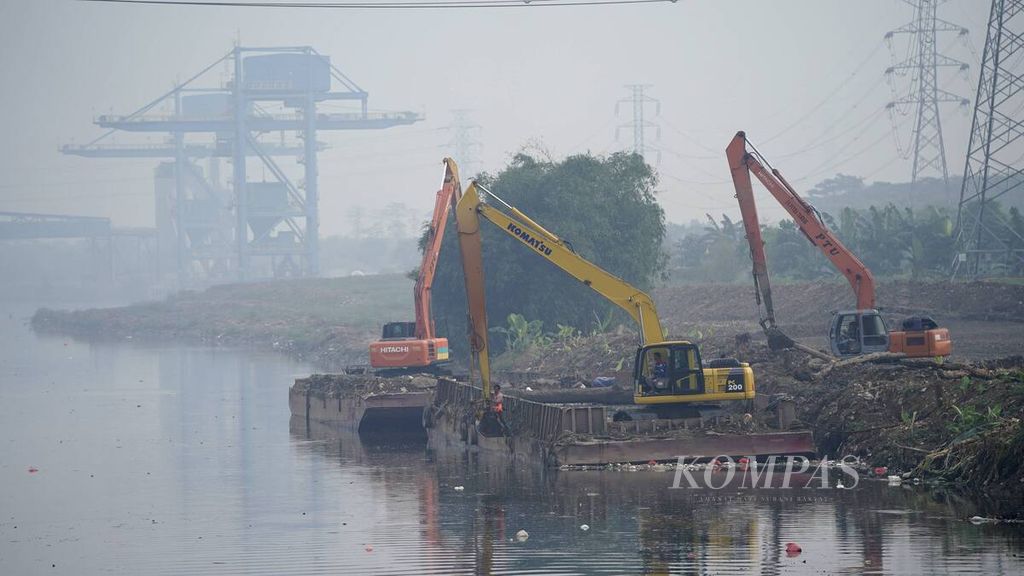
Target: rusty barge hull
x=670, y=449
x=400, y=412
x=582, y=435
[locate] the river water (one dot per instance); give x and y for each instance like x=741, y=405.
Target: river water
x=135, y=459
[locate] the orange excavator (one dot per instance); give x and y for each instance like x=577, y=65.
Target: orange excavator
x=415, y=346
x=851, y=332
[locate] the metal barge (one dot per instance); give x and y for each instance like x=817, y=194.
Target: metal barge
x=585, y=434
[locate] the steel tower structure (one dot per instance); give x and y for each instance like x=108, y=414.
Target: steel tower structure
x=987, y=241
x=638, y=126
x=464, y=141
x=923, y=63
x=247, y=228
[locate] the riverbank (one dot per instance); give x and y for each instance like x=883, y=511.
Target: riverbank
x=328, y=322
x=958, y=422
x=954, y=423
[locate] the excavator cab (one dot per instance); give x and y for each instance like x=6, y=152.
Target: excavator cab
x=855, y=332
x=668, y=369
x=666, y=373
x=399, y=331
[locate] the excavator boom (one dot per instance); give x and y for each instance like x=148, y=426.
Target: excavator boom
x=741, y=164
x=446, y=197
x=540, y=241
x=471, y=248
x=415, y=345
x=851, y=332
x=681, y=378
x=751, y=224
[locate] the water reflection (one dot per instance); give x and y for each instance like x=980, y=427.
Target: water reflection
x=637, y=524
x=177, y=460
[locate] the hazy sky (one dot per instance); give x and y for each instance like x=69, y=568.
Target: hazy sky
x=795, y=74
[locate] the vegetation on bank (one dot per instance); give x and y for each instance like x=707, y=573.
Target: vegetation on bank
x=948, y=422
x=891, y=241
x=899, y=230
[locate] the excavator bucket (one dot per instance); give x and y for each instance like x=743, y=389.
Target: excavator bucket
x=777, y=340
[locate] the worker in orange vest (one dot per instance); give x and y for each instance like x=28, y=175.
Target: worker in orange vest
x=498, y=407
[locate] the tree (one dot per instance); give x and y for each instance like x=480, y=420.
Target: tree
x=840, y=185
x=604, y=206
x=791, y=256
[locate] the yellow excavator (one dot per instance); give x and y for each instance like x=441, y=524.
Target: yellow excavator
x=667, y=374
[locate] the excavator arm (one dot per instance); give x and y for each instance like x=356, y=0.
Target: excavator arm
x=447, y=196
x=415, y=345
x=853, y=332
x=540, y=241
x=751, y=224
x=742, y=163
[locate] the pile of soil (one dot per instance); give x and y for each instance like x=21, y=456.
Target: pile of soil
x=571, y=364
x=811, y=303
x=577, y=362
x=361, y=385
x=950, y=421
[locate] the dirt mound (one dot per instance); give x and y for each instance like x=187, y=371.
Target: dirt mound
x=363, y=385
x=684, y=307
x=954, y=422
x=569, y=363
x=958, y=422
x=581, y=360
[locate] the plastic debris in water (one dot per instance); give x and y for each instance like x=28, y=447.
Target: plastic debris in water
x=793, y=549
x=881, y=470
x=459, y=488
x=522, y=535
x=584, y=527
x=32, y=469
x=369, y=548
x=894, y=480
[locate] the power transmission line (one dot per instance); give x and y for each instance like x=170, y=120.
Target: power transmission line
x=985, y=241
x=464, y=141
x=386, y=4
x=639, y=124
x=922, y=63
